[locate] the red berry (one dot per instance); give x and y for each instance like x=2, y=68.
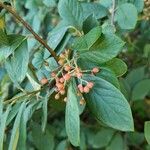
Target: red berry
x=81, y=88
x=57, y=96
x=61, y=80
x=90, y=84
x=53, y=74
x=67, y=68
x=79, y=75
x=57, y=79
x=67, y=76
x=95, y=70
x=44, y=81
x=86, y=89
x=59, y=86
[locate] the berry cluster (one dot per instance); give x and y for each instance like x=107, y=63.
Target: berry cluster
x=146, y=10
x=67, y=70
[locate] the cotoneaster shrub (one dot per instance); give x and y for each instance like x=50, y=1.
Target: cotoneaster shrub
x=55, y=86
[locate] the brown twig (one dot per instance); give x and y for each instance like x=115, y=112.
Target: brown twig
x=27, y=26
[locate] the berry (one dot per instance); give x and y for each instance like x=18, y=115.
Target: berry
x=62, y=92
x=61, y=62
x=95, y=70
x=61, y=80
x=57, y=96
x=90, y=85
x=67, y=68
x=53, y=74
x=57, y=80
x=67, y=76
x=60, y=86
x=79, y=75
x=65, y=99
x=81, y=88
x=44, y=81
x=86, y=89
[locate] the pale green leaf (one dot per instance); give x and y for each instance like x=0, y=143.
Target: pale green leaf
x=15, y=130
x=123, y=18
x=72, y=119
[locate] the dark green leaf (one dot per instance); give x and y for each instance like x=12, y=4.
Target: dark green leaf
x=106, y=47
x=42, y=141
x=102, y=138
x=108, y=105
x=141, y=89
x=85, y=42
x=117, y=66
x=71, y=12
x=117, y=143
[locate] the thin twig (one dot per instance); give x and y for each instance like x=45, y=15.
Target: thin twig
x=27, y=26
x=113, y=12
x=14, y=99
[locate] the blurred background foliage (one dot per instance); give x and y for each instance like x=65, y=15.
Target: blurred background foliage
x=43, y=16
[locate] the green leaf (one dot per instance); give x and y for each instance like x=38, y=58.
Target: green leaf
x=8, y=44
x=135, y=138
x=15, y=131
x=123, y=18
x=139, y=5
x=3, y=119
x=42, y=141
x=45, y=111
x=13, y=112
x=71, y=12
x=117, y=66
x=62, y=145
x=117, y=143
x=102, y=138
x=23, y=126
x=135, y=76
x=106, y=47
x=57, y=34
x=50, y=3
x=90, y=23
x=108, y=75
x=72, y=119
x=147, y=131
x=17, y=64
x=108, y=105
x=86, y=41
x=141, y=89
x=96, y=9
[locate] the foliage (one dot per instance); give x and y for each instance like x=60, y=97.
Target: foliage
x=76, y=92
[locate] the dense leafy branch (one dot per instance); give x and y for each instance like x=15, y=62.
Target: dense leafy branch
x=27, y=26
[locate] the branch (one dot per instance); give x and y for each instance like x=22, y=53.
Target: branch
x=28, y=27
x=15, y=99
x=113, y=12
